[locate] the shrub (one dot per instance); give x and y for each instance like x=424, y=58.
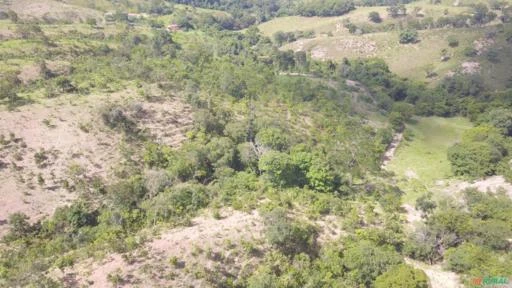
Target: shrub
x=375, y=17
x=20, y=227
x=470, y=52
x=452, y=41
x=127, y=193
x=115, y=118
x=425, y=204
x=402, y=276
x=408, y=36
x=466, y=257
x=289, y=236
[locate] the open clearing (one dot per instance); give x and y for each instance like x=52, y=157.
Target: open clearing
x=423, y=159
x=425, y=154
x=50, y=145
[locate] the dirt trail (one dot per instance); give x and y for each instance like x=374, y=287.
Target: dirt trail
x=437, y=276
x=390, y=152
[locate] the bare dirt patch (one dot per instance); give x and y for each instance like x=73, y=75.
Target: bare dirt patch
x=482, y=45
x=491, y=184
x=194, y=256
x=6, y=34
x=44, y=144
x=330, y=229
x=470, y=67
x=363, y=47
x=166, y=121
x=29, y=73
x=319, y=53
x=32, y=72
x=412, y=215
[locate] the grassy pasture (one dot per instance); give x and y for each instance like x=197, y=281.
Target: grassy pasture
x=405, y=60
x=357, y=16
x=422, y=160
x=333, y=41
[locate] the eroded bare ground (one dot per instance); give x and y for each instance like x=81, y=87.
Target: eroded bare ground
x=200, y=255
x=46, y=147
x=52, y=10
x=204, y=254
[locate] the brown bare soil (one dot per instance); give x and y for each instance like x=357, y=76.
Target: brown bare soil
x=48, y=148
x=490, y=184
x=194, y=256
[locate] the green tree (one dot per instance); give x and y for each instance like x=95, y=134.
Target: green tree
x=366, y=261
x=278, y=167
x=320, y=176
x=280, y=38
x=408, y=36
x=500, y=118
x=482, y=147
x=272, y=138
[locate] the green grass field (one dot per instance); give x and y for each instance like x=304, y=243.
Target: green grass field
x=357, y=16
x=422, y=160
